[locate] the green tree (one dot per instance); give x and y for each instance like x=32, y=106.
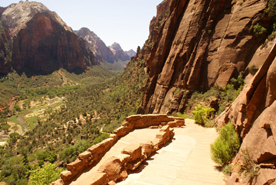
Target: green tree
x=258, y=29
x=14, y=171
x=202, y=114
x=44, y=175
x=226, y=145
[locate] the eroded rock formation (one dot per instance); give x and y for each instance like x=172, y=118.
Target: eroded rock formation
x=197, y=44
x=253, y=114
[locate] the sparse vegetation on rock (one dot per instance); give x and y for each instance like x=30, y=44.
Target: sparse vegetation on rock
x=226, y=145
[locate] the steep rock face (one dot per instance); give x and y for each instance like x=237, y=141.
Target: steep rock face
x=42, y=42
x=118, y=52
x=195, y=45
x=253, y=114
x=5, y=51
x=101, y=51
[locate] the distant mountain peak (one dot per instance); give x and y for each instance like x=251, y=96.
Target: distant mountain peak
x=116, y=46
x=131, y=53
x=16, y=16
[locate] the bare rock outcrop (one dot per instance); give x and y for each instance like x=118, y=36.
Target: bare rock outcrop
x=197, y=44
x=253, y=115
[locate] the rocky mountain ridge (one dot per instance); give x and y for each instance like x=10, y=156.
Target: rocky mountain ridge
x=118, y=52
x=42, y=42
x=102, y=52
x=131, y=53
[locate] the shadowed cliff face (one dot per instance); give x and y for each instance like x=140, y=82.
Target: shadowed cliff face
x=5, y=53
x=44, y=45
x=197, y=44
x=42, y=42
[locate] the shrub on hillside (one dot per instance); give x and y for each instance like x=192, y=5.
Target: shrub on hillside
x=226, y=145
x=69, y=154
x=45, y=175
x=202, y=114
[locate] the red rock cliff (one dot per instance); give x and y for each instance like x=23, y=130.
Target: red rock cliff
x=42, y=42
x=5, y=51
x=197, y=44
x=253, y=114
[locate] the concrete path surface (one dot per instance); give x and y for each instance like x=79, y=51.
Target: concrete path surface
x=185, y=161
x=137, y=136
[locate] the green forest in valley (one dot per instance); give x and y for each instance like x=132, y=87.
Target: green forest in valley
x=91, y=102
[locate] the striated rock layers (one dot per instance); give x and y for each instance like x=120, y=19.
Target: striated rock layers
x=253, y=114
x=194, y=45
x=42, y=42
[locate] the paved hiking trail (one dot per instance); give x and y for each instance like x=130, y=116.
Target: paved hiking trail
x=184, y=161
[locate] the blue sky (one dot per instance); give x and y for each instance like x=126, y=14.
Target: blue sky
x=122, y=21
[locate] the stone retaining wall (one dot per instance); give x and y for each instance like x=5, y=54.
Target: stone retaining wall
x=117, y=168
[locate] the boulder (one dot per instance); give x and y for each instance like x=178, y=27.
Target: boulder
x=112, y=167
x=98, y=178
x=84, y=155
x=147, y=148
x=122, y=131
x=124, y=158
x=77, y=166
x=134, y=150
x=66, y=176
x=102, y=147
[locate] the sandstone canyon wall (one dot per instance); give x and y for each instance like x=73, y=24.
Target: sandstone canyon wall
x=194, y=45
x=42, y=42
x=5, y=51
x=253, y=114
